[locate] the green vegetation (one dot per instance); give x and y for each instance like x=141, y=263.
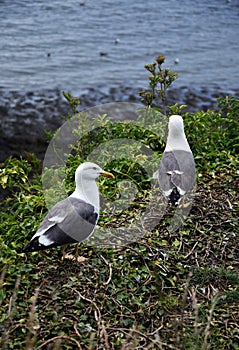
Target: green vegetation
x=168, y=290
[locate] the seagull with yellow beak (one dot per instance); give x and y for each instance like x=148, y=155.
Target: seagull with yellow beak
x=73, y=219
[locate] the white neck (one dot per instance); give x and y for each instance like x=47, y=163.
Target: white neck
x=177, y=141
x=88, y=191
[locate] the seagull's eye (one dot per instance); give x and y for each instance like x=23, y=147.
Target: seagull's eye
x=94, y=168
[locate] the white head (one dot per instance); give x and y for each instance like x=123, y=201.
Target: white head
x=175, y=124
x=90, y=171
x=176, y=136
x=85, y=177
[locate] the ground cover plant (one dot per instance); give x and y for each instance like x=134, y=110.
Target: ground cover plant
x=169, y=289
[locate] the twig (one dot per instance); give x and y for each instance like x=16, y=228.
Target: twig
x=101, y=327
x=76, y=330
x=110, y=272
x=153, y=341
x=91, y=302
x=3, y=273
x=209, y=320
x=196, y=321
x=110, y=276
x=59, y=337
x=11, y=310
x=183, y=307
x=31, y=327
x=192, y=250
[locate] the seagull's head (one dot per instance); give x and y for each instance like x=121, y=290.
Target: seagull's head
x=175, y=124
x=90, y=171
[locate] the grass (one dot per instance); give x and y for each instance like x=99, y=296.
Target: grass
x=166, y=291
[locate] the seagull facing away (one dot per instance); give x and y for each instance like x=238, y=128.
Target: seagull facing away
x=73, y=219
x=177, y=172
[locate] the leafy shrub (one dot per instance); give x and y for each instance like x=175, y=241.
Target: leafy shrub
x=214, y=137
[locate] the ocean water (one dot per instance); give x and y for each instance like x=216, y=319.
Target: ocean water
x=75, y=45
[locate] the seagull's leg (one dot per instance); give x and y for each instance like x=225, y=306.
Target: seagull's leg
x=69, y=256
x=75, y=256
x=63, y=252
x=78, y=258
x=77, y=251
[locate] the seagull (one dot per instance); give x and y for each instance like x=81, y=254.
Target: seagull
x=177, y=171
x=73, y=219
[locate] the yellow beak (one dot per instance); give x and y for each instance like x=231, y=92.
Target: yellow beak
x=106, y=174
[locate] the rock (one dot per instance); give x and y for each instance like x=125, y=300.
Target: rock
x=26, y=116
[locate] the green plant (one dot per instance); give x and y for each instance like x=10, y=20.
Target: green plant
x=213, y=137
x=159, y=81
x=73, y=102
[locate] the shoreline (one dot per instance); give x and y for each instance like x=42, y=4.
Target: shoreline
x=26, y=116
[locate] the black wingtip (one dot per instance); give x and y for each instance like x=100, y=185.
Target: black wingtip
x=174, y=197
x=31, y=247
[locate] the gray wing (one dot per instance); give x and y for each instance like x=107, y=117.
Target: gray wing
x=177, y=169
x=69, y=221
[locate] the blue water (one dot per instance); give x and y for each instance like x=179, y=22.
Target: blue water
x=57, y=43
